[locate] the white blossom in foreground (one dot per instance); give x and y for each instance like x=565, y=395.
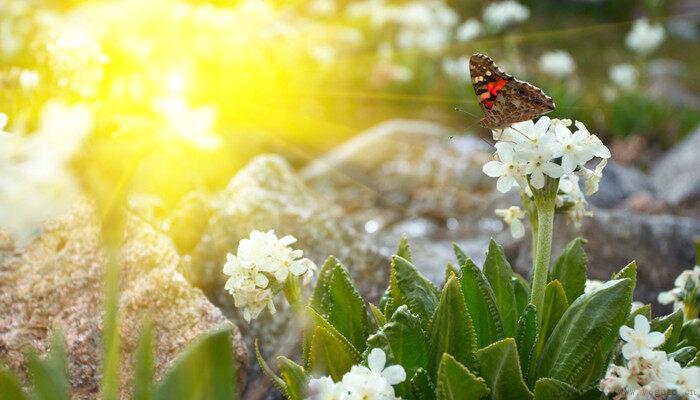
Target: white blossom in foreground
x=260, y=268
x=500, y=15
x=470, y=29
x=645, y=37
x=624, y=75
x=374, y=382
x=558, y=64
x=685, y=294
x=512, y=216
x=648, y=374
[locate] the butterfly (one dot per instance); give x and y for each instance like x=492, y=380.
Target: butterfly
x=504, y=99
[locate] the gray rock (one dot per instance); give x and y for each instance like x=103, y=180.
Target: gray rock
x=662, y=245
x=619, y=183
x=55, y=282
x=677, y=176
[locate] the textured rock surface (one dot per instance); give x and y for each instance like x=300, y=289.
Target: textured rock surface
x=677, y=176
x=619, y=184
x=55, y=282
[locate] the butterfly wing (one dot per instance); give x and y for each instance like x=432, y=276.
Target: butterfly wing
x=504, y=99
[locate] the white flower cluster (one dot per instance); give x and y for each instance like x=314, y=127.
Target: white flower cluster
x=558, y=64
x=360, y=383
x=686, y=291
x=500, y=15
x=261, y=258
x=648, y=374
x=624, y=76
x=645, y=37
x=527, y=152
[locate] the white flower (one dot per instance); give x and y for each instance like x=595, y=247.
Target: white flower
x=558, y=64
x=456, y=68
x=375, y=382
x=640, y=341
x=540, y=165
x=325, y=389
x=502, y=14
x=645, y=37
x=259, y=258
x=469, y=30
x=686, y=284
x=688, y=382
x=593, y=177
x=505, y=168
x=624, y=75
x=618, y=380
x=512, y=216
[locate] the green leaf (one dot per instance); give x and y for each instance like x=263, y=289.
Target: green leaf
x=410, y=287
x=451, y=330
x=500, y=366
x=690, y=333
x=204, y=370
x=329, y=355
x=456, y=382
x=295, y=378
x=347, y=311
x=451, y=270
x=49, y=374
x=422, y=386
x=644, y=310
x=10, y=387
x=481, y=305
x=684, y=355
x=379, y=317
x=555, y=304
x=521, y=289
x=143, y=365
x=320, y=298
x=629, y=271
x=661, y=324
x=403, y=341
x=591, y=320
x=526, y=337
x=317, y=320
x=548, y=388
x=404, y=250
x=462, y=257
x=499, y=273
x=276, y=380
x=570, y=269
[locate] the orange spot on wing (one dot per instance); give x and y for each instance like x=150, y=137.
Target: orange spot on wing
x=495, y=87
x=488, y=104
x=485, y=95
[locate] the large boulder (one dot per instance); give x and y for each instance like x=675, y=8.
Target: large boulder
x=56, y=283
x=676, y=176
x=621, y=183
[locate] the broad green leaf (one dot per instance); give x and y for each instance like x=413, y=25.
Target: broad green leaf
x=591, y=320
x=410, y=287
x=404, y=250
x=295, y=378
x=385, y=303
x=555, y=304
x=644, y=310
x=591, y=370
x=451, y=270
x=521, y=289
x=407, y=345
x=49, y=374
x=661, y=324
x=276, y=380
x=422, y=386
x=499, y=273
x=570, y=269
x=451, y=330
x=684, y=355
x=695, y=362
x=629, y=271
x=500, y=367
x=379, y=317
x=527, y=337
x=481, y=305
x=10, y=387
x=462, y=257
x=347, y=311
x=456, y=382
x=143, y=365
x=690, y=333
x=317, y=320
x=320, y=298
x=548, y=388
x=204, y=370
x=329, y=355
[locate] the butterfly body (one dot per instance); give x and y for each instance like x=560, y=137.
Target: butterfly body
x=504, y=99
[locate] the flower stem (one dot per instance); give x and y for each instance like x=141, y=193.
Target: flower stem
x=545, y=202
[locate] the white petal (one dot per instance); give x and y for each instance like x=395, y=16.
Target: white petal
x=394, y=374
x=641, y=324
x=517, y=229
x=261, y=280
x=281, y=274
x=376, y=360
x=553, y=170
x=494, y=168
x=563, y=133
x=655, y=339
x=537, y=180
x=542, y=125
x=569, y=163
x=504, y=183
x=626, y=333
